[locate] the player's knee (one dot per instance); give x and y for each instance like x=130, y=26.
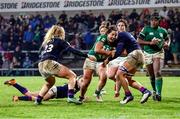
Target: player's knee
x=111, y=75
x=158, y=74
x=50, y=81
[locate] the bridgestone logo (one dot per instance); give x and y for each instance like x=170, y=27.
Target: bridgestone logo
x=88, y=3
x=40, y=5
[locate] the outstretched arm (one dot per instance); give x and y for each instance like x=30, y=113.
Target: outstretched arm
x=77, y=52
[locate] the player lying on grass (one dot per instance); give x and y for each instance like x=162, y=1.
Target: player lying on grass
x=54, y=92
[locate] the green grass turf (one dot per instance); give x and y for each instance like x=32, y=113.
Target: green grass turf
x=169, y=108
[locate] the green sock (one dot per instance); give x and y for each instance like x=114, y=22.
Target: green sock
x=159, y=83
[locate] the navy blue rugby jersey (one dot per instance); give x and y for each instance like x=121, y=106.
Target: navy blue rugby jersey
x=55, y=49
x=127, y=41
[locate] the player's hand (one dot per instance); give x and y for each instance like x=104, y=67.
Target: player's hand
x=154, y=41
x=113, y=53
x=105, y=62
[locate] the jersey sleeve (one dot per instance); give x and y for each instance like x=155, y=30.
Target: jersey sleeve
x=68, y=47
x=102, y=38
x=165, y=35
x=119, y=50
x=142, y=34
x=77, y=52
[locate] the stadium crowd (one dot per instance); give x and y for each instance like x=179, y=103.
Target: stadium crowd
x=25, y=33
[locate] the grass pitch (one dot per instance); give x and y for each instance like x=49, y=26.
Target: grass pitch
x=169, y=108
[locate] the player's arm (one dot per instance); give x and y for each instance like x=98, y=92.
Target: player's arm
x=100, y=50
x=141, y=41
x=77, y=52
x=119, y=50
x=167, y=42
x=69, y=48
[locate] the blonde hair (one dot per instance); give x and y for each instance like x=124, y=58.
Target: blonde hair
x=105, y=25
x=54, y=31
x=101, y=27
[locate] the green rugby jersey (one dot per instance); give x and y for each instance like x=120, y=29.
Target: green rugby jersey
x=148, y=33
x=106, y=46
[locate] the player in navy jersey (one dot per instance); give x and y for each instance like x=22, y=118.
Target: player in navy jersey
x=54, y=92
x=53, y=47
x=134, y=59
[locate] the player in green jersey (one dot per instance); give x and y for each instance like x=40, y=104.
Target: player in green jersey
x=100, y=51
x=154, y=39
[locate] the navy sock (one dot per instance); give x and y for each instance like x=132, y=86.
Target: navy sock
x=128, y=93
x=71, y=93
x=142, y=89
x=25, y=98
x=39, y=98
x=22, y=89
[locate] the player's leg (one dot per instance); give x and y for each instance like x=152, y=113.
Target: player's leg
x=112, y=68
x=149, y=66
x=121, y=76
x=145, y=92
x=28, y=95
x=71, y=76
x=87, y=76
x=159, y=79
x=19, y=87
x=102, y=81
x=50, y=81
x=150, y=70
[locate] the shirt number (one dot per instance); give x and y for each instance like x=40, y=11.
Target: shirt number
x=49, y=48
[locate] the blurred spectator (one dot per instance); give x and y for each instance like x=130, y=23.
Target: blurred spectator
x=175, y=45
x=37, y=36
x=1, y=47
x=171, y=14
x=63, y=19
x=164, y=12
x=112, y=16
x=91, y=21
x=18, y=55
x=167, y=52
x=6, y=61
x=134, y=15
x=14, y=64
x=27, y=38
x=145, y=14
x=12, y=20
x=164, y=23
x=1, y=60
x=100, y=18
x=88, y=40
x=20, y=34
x=77, y=42
x=27, y=63
x=155, y=12
x=53, y=19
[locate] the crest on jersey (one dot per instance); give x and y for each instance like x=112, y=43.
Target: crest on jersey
x=161, y=35
x=151, y=33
